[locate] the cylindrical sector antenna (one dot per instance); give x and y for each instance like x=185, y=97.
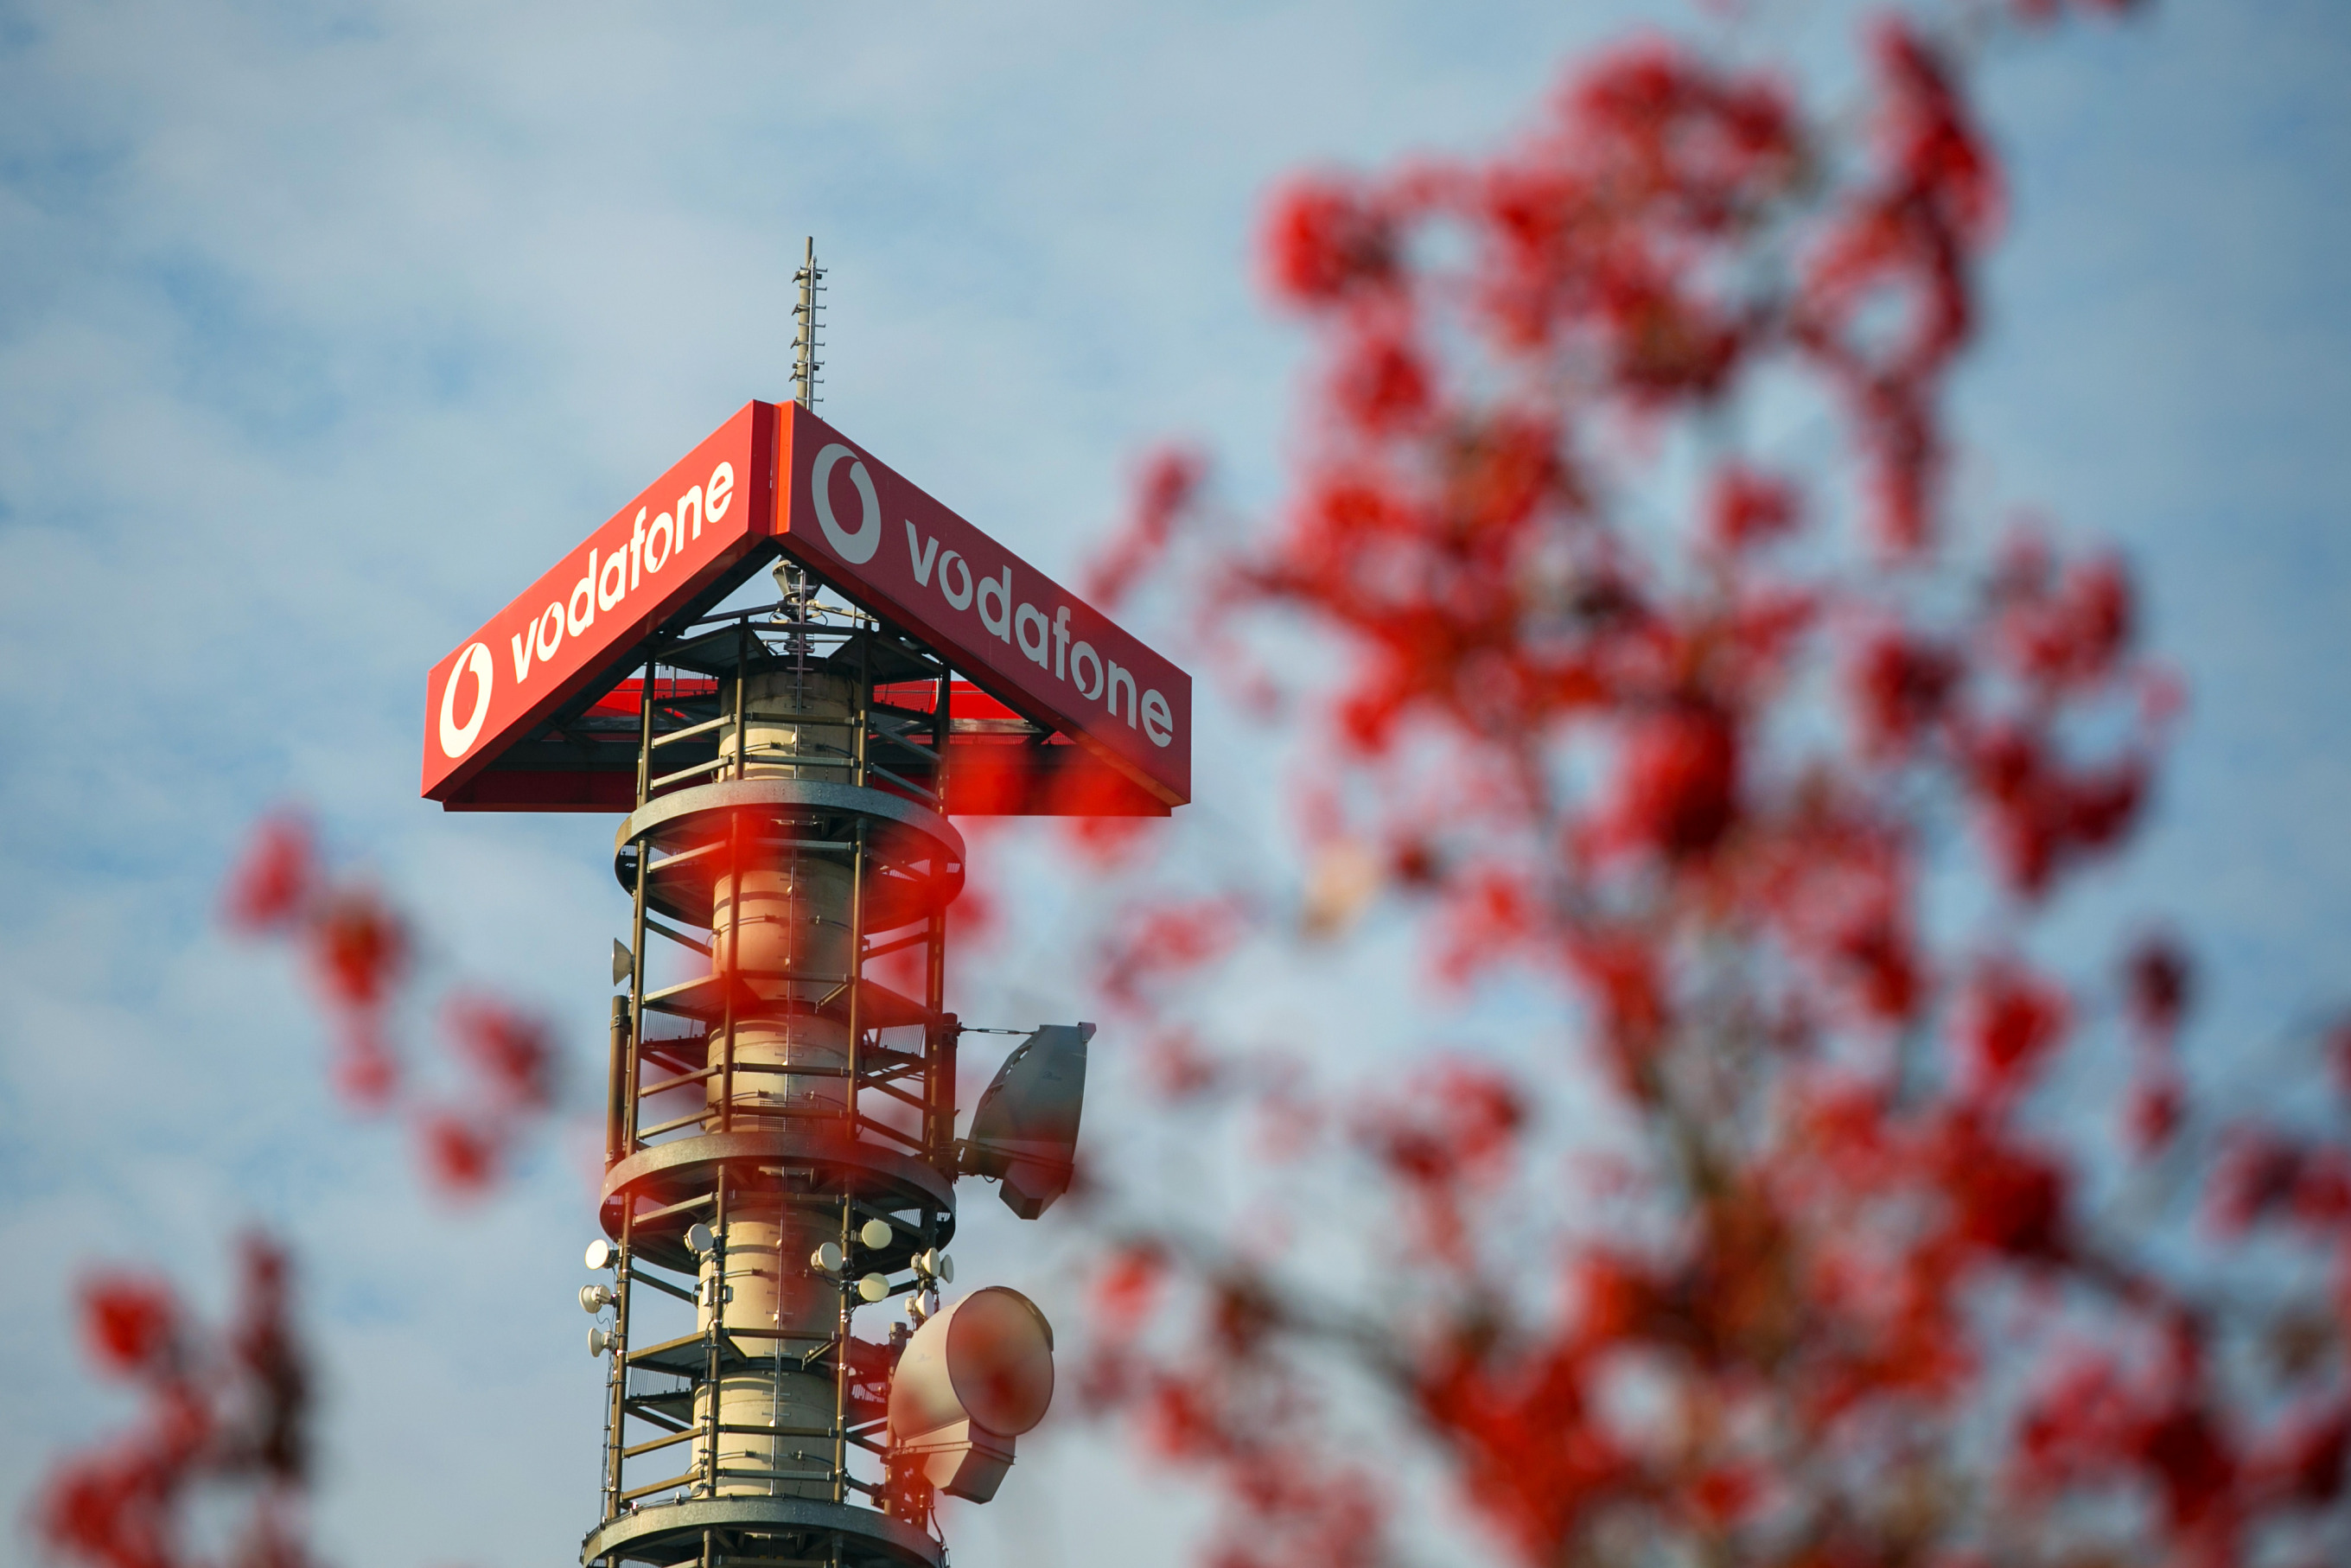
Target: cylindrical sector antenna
x=782, y=1148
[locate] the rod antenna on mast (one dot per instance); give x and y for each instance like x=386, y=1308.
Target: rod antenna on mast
x=805, y=364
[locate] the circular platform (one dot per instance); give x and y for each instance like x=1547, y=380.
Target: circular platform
x=769, y=1529
x=814, y=1167
x=915, y=857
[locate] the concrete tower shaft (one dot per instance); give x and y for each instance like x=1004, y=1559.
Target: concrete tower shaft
x=770, y=1433
x=782, y=928
x=783, y=925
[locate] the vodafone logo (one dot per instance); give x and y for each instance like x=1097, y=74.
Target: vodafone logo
x=456, y=738
x=856, y=548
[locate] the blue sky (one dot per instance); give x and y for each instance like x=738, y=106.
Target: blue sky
x=323, y=327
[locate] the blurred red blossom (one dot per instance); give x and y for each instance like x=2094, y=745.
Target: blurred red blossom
x=512, y=1052
x=277, y=878
x=512, y=1059
x=2158, y=1105
x=1169, y=939
x=1678, y=781
x=225, y=1424
x=1444, y=1139
x=2008, y=1022
x=2049, y=10
x=130, y=1321
x=1178, y=1068
x=1750, y=509
x=356, y=947
x=2268, y=1176
x=1326, y=241
x=2157, y=978
x=360, y=949
x=2042, y=816
x=1903, y=688
x=1778, y=801
x=361, y=954
x=2059, y=630
x=1170, y=480
x=459, y=1156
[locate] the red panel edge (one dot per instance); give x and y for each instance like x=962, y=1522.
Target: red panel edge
x=574, y=791
x=984, y=780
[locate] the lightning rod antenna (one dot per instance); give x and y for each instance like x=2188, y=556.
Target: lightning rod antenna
x=804, y=343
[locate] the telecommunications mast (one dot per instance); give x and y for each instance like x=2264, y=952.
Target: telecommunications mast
x=780, y=1145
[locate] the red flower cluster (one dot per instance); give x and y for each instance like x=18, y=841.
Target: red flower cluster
x=1170, y=480
x=511, y=1058
x=1231, y=1413
x=356, y=948
x=226, y=1416
x=1445, y=1144
x=226, y=1424
x=1630, y=710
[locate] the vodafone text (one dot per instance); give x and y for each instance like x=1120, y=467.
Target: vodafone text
x=609, y=580
x=1045, y=644
x=623, y=572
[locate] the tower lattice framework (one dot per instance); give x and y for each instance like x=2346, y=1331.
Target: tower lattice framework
x=777, y=1099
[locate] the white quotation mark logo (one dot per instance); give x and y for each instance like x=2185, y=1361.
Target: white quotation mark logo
x=456, y=738
x=856, y=548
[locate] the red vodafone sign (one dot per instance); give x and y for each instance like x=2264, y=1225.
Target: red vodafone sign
x=1005, y=625
x=675, y=540
x=781, y=475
